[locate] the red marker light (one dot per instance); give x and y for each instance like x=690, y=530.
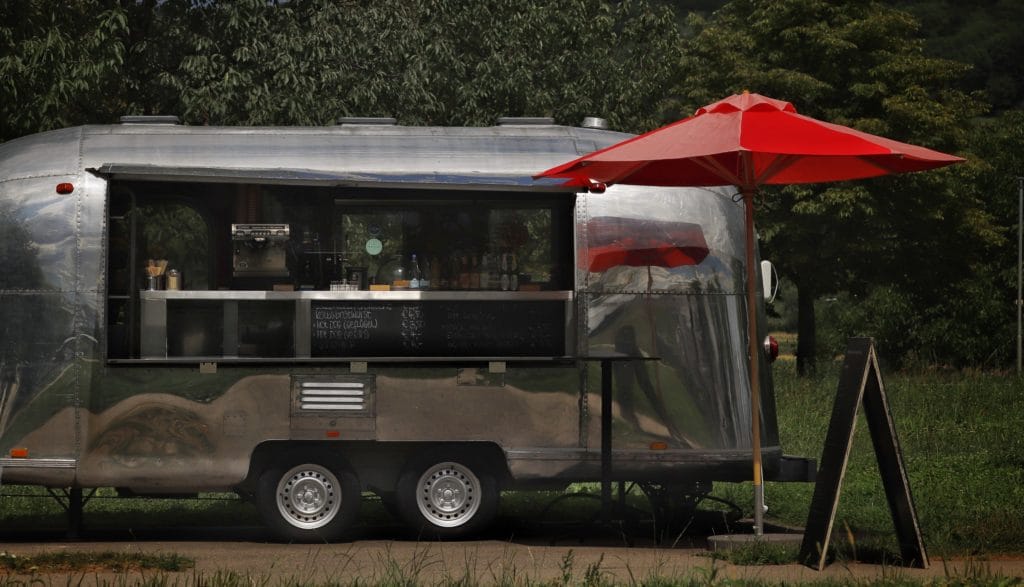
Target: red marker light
x=771, y=348
x=333, y=434
x=65, y=188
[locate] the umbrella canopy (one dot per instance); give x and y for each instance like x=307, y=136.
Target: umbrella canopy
x=747, y=140
x=615, y=241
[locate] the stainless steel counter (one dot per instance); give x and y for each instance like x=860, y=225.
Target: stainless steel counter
x=374, y=296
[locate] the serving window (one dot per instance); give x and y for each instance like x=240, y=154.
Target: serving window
x=218, y=271
x=454, y=245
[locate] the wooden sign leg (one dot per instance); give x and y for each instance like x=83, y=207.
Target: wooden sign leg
x=860, y=382
x=838, y=440
x=892, y=469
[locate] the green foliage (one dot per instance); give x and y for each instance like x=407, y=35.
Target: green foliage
x=887, y=314
x=252, y=62
x=60, y=64
x=985, y=34
x=437, y=62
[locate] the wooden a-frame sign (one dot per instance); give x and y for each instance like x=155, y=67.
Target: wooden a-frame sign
x=861, y=383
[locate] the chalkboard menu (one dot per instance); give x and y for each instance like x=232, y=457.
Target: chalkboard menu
x=438, y=328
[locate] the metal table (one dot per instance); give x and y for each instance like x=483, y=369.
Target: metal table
x=607, y=360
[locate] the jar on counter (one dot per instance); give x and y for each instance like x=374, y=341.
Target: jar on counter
x=173, y=279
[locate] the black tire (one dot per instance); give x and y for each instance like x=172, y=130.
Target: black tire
x=309, y=501
x=447, y=496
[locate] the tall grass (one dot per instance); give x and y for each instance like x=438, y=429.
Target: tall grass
x=962, y=435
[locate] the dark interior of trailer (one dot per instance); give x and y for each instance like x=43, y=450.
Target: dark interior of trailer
x=195, y=236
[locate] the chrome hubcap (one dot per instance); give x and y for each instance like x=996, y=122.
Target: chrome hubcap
x=308, y=496
x=449, y=495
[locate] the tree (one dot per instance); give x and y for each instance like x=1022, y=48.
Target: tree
x=859, y=64
x=59, y=64
x=440, y=62
x=988, y=34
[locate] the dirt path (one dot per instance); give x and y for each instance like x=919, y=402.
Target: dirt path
x=483, y=562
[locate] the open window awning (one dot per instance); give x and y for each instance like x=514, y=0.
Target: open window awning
x=312, y=177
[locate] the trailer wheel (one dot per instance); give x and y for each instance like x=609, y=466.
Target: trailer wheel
x=447, y=498
x=309, y=502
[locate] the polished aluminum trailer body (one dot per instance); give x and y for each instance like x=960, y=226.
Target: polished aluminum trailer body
x=73, y=415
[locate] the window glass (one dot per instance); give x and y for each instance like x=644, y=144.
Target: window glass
x=483, y=246
x=179, y=235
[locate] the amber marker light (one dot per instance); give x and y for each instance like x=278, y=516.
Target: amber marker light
x=65, y=188
x=19, y=453
x=657, y=445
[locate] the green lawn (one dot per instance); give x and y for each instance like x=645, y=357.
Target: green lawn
x=961, y=434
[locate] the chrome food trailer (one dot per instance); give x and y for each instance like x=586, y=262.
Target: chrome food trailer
x=302, y=315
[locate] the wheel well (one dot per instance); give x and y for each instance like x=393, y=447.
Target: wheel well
x=376, y=464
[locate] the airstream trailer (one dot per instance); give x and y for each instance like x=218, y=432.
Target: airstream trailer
x=302, y=315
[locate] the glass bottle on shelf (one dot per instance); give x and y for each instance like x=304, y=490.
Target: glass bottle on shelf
x=509, y=272
x=393, y=273
x=415, y=277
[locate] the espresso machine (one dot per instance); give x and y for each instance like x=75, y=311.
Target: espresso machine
x=260, y=250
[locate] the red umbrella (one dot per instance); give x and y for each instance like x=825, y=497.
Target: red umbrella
x=748, y=140
x=617, y=241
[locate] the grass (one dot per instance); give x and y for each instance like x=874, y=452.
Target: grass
x=758, y=553
x=24, y=506
x=960, y=433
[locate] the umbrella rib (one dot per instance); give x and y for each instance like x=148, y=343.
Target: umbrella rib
x=880, y=163
x=714, y=166
x=632, y=171
x=777, y=166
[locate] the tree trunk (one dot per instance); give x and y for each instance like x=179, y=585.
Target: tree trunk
x=806, y=340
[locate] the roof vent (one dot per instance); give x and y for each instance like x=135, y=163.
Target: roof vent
x=157, y=119
x=525, y=121
x=362, y=120
x=594, y=122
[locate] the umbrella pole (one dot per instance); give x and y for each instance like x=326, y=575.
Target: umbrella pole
x=755, y=376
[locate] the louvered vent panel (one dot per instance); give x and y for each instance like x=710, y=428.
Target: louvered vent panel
x=322, y=396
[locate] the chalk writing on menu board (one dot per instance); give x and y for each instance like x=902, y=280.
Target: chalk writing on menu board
x=438, y=328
